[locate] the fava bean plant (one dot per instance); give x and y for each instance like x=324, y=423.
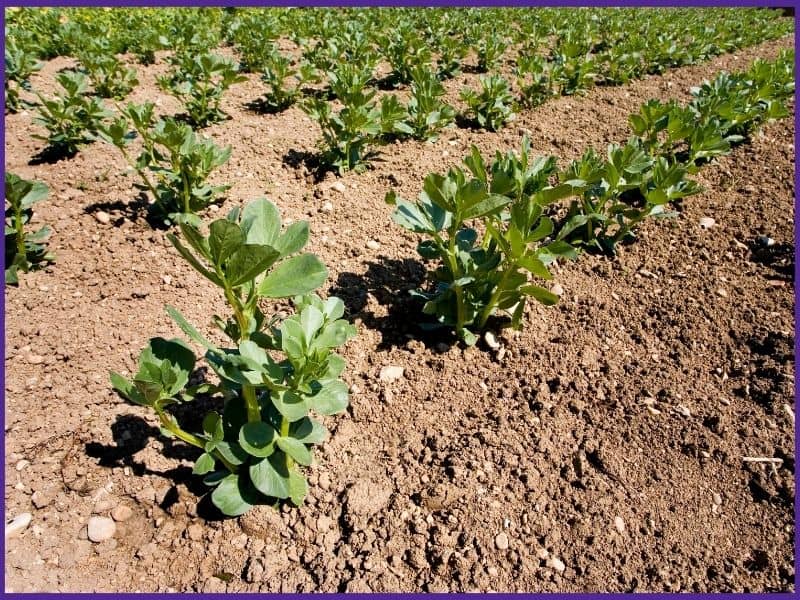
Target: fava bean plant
x=276, y=376
x=24, y=251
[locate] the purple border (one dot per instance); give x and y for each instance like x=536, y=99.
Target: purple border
x=424, y=3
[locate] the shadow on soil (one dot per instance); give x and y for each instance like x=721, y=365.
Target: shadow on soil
x=132, y=434
x=50, y=155
x=137, y=209
x=390, y=282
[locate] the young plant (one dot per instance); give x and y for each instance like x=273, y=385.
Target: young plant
x=490, y=49
x=24, y=251
x=534, y=80
x=20, y=65
x=476, y=277
x=111, y=78
x=174, y=164
x=492, y=107
x=276, y=377
x=199, y=82
x=427, y=113
x=276, y=70
x=72, y=119
x=349, y=137
x=617, y=194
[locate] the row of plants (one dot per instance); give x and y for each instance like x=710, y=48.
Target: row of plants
x=553, y=51
x=491, y=228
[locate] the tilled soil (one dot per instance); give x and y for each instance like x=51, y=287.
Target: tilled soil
x=603, y=448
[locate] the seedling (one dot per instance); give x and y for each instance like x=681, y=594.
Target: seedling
x=276, y=377
x=476, y=278
x=72, y=119
x=174, y=164
x=24, y=251
x=492, y=107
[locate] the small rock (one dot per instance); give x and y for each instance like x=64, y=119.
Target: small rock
x=121, y=513
x=707, y=222
x=41, y=499
x=102, y=217
x=556, y=564
x=101, y=529
x=683, y=411
x=373, y=245
x=492, y=571
x=166, y=279
x=391, y=373
x=717, y=498
x=22, y=464
x=619, y=523
x=339, y=187
x=18, y=525
x=324, y=481
x=765, y=241
x=140, y=293
x=501, y=541
x=722, y=293
x=557, y=289
x=542, y=553
x=327, y=207
x=491, y=340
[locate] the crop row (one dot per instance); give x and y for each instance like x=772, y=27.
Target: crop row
x=554, y=55
x=491, y=230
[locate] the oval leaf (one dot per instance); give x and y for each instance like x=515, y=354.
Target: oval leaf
x=293, y=277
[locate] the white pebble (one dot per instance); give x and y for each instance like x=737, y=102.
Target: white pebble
x=555, y=563
x=101, y=529
x=390, y=373
x=373, y=245
x=339, y=187
x=327, y=207
x=619, y=524
x=557, y=289
x=501, y=541
x=491, y=340
x=22, y=464
x=707, y=222
x=18, y=525
x=102, y=217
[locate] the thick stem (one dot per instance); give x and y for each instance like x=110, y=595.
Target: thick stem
x=451, y=257
x=489, y=308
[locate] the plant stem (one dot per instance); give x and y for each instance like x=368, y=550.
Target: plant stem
x=489, y=308
x=187, y=437
x=20, y=228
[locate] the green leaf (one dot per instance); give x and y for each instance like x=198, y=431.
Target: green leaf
x=293, y=239
x=247, y=262
x=257, y=439
x=234, y=495
x=204, y=464
x=542, y=295
x=270, y=476
x=232, y=452
x=490, y=204
x=224, y=239
x=308, y=431
x=293, y=277
x=332, y=398
x=261, y=222
x=333, y=335
x=296, y=449
x=290, y=404
x=189, y=329
x=298, y=487
x=127, y=390
x=190, y=258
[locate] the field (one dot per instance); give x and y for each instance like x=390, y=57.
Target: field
x=633, y=432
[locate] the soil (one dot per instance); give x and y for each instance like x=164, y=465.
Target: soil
x=603, y=448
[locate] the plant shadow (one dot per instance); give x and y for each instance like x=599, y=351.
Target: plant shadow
x=311, y=161
x=137, y=209
x=51, y=155
x=398, y=315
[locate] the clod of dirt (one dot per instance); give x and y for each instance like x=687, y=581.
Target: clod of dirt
x=264, y=523
x=364, y=499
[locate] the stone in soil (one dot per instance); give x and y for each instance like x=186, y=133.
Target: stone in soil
x=391, y=373
x=18, y=525
x=501, y=541
x=121, y=513
x=101, y=529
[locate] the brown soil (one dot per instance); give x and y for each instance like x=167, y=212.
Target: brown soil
x=602, y=450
